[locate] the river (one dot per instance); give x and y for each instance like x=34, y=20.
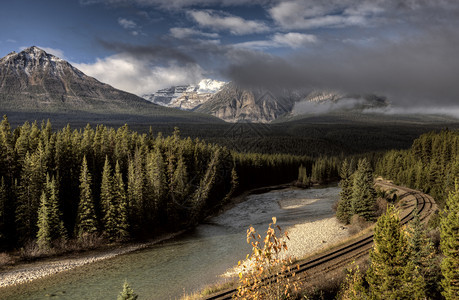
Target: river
x=189, y=261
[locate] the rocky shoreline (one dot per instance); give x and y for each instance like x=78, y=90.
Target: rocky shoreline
x=28, y=272
x=306, y=238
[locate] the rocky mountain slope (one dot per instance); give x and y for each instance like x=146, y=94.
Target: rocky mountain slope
x=186, y=97
x=234, y=104
x=35, y=81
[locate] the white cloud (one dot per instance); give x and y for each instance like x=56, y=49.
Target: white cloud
x=137, y=76
x=127, y=24
x=291, y=40
x=316, y=14
x=180, y=33
x=225, y=22
x=294, y=39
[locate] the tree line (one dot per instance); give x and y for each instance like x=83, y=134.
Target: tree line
x=404, y=262
x=116, y=183
x=430, y=165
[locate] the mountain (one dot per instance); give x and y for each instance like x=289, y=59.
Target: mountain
x=234, y=103
x=36, y=81
x=186, y=97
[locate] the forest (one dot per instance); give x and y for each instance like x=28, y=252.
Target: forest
x=431, y=165
x=118, y=184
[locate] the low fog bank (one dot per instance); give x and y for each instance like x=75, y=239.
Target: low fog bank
x=363, y=106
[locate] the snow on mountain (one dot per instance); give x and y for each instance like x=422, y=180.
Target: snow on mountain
x=186, y=97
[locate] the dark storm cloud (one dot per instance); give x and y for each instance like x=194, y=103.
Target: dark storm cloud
x=152, y=53
x=423, y=68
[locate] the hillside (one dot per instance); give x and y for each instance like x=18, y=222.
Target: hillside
x=38, y=82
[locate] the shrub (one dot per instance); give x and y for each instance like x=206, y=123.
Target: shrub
x=268, y=276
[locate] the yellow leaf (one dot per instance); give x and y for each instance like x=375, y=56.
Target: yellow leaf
x=274, y=220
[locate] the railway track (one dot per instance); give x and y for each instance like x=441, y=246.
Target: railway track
x=333, y=259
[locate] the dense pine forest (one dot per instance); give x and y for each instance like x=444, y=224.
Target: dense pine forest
x=118, y=184
x=413, y=261
x=430, y=165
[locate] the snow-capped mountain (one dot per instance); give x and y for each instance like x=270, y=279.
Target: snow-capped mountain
x=34, y=80
x=186, y=97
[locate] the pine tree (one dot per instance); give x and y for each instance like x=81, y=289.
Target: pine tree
x=344, y=209
x=421, y=250
x=352, y=287
x=7, y=165
x=3, y=206
x=155, y=184
x=44, y=231
x=56, y=224
x=392, y=274
x=107, y=201
x=127, y=293
x=179, y=181
x=449, y=242
x=363, y=192
x=135, y=189
x=33, y=176
x=122, y=225
x=86, y=220
x=202, y=192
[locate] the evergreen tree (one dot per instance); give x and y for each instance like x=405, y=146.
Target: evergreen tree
x=156, y=184
x=344, y=209
x=352, y=287
x=449, y=242
x=122, y=226
x=86, y=219
x=108, y=201
x=50, y=224
x=363, y=192
x=30, y=189
x=392, y=274
x=44, y=230
x=135, y=189
x=178, y=189
x=56, y=223
x=3, y=206
x=127, y=293
x=207, y=183
x=421, y=251
x=7, y=163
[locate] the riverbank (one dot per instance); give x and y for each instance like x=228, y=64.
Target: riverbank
x=27, y=272
x=305, y=238
x=24, y=272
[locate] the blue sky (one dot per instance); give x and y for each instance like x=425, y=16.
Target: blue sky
x=354, y=46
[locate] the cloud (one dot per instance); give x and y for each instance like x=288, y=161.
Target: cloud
x=130, y=25
x=180, y=33
x=138, y=76
x=219, y=21
x=151, y=53
x=127, y=24
x=305, y=107
x=292, y=40
x=316, y=14
x=415, y=69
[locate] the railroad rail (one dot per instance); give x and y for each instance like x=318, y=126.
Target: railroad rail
x=344, y=254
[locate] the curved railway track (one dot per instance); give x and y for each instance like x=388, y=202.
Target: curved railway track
x=336, y=258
